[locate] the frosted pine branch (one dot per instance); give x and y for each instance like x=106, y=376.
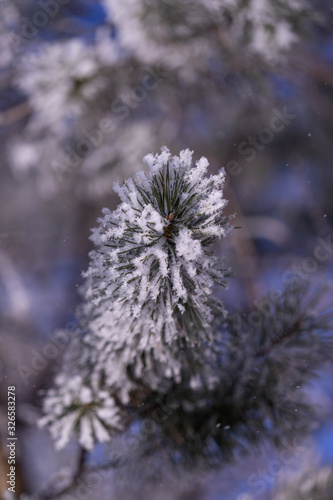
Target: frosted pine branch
x=148, y=294
x=152, y=262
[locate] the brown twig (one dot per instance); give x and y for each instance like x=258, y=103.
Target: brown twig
x=14, y=114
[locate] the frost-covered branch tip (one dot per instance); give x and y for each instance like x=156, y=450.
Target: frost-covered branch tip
x=152, y=262
x=148, y=294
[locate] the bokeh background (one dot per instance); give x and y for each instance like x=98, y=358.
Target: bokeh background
x=87, y=89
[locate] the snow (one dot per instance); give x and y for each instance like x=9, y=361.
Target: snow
x=186, y=247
